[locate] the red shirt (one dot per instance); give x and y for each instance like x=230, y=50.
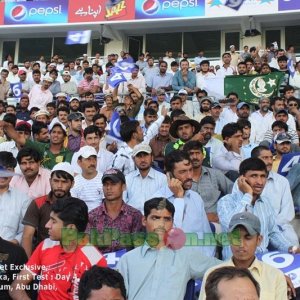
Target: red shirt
x=59, y=272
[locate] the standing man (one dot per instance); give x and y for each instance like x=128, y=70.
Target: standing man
x=143, y=182
x=114, y=215
x=40, y=95
x=88, y=84
x=4, y=85
x=88, y=184
x=34, y=181
x=23, y=112
x=227, y=68
x=68, y=86
x=75, y=140
x=38, y=212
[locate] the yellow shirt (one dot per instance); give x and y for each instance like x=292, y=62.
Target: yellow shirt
x=272, y=282
x=276, y=163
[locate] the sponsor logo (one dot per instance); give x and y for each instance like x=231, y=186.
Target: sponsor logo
x=115, y=9
x=18, y=13
x=150, y=7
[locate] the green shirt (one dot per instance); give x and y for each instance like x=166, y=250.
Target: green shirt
x=50, y=159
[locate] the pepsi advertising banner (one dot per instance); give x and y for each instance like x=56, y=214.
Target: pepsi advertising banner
x=39, y=12
x=160, y=9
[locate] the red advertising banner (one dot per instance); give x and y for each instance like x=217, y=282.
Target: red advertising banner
x=84, y=11
x=2, y=13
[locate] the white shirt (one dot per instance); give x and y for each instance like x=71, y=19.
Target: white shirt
x=88, y=190
x=39, y=98
x=228, y=115
x=213, y=146
x=200, y=78
x=260, y=123
x=222, y=72
x=10, y=146
x=290, y=122
x=13, y=206
x=169, y=61
x=139, y=189
x=104, y=161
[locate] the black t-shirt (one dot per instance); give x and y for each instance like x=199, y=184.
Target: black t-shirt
x=11, y=258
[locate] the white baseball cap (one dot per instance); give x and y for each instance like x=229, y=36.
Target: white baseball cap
x=64, y=166
x=87, y=151
x=182, y=91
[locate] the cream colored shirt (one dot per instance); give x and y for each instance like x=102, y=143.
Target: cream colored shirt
x=271, y=280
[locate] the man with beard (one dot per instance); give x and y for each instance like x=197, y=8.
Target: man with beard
x=143, y=182
x=260, y=117
x=205, y=106
x=190, y=214
x=88, y=84
x=75, y=140
x=38, y=212
x=34, y=181
x=40, y=132
x=74, y=104
x=212, y=145
x=23, y=112
x=251, y=182
x=216, y=110
x=150, y=116
x=88, y=184
x=209, y=183
x=242, y=68
x=183, y=129
x=69, y=87
x=40, y=95
x=149, y=71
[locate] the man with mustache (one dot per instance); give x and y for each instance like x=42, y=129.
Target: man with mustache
x=88, y=184
x=34, y=181
x=278, y=192
x=38, y=212
x=190, y=214
x=253, y=176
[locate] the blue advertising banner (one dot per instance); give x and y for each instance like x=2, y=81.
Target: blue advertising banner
x=287, y=161
x=39, y=12
x=159, y=9
x=288, y=5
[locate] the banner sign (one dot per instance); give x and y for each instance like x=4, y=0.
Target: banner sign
x=287, y=161
x=81, y=11
x=37, y=12
x=288, y=263
x=78, y=37
x=16, y=89
x=160, y=9
x=252, y=87
x=2, y=13
x=288, y=5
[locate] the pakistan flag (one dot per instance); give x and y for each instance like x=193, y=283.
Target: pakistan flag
x=252, y=87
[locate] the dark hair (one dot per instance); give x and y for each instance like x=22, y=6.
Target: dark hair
x=174, y=98
x=176, y=113
x=184, y=60
x=29, y=152
x=153, y=102
x=242, y=63
x=288, y=88
x=167, y=120
x=204, y=61
x=54, y=71
x=92, y=129
x=226, y=53
x=2, y=103
x=174, y=63
x=90, y=104
x=174, y=157
x=226, y=273
x=11, y=106
x=33, y=109
x=37, y=126
x=7, y=160
x=63, y=103
x=202, y=92
x=249, y=59
x=233, y=94
x=97, y=277
x=255, y=153
x=293, y=99
x=72, y=211
x=192, y=145
x=281, y=125
x=230, y=129
x=252, y=164
x=63, y=108
x=10, y=118
x=150, y=112
x=62, y=174
x=127, y=129
x=99, y=116
x=282, y=58
x=162, y=62
x=88, y=94
x=274, y=99
x=158, y=203
x=207, y=120
x=36, y=72
x=51, y=104
x=253, y=49
x=244, y=123
x=4, y=70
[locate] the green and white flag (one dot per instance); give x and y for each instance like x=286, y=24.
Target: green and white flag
x=252, y=87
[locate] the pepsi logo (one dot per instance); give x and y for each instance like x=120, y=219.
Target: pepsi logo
x=151, y=7
x=18, y=13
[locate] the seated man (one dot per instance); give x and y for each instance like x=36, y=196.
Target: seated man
x=101, y=283
x=63, y=258
x=252, y=180
x=209, y=183
x=154, y=270
x=278, y=192
x=13, y=203
x=246, y=236
x=113, y=216
x=143, y=182
x=190, y=215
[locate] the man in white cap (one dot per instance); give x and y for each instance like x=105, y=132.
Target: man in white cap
x=40, y=95
x=234, y=56
x=88, y=184
x=143, y=182
x=42, y=116
x=38, y=212
x=74, y=104
x=68, y=86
